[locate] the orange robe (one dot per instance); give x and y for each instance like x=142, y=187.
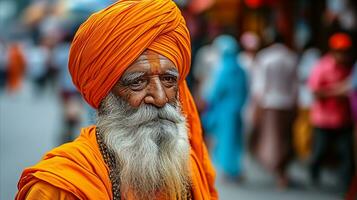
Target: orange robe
x=77, y=170
x=16, y=67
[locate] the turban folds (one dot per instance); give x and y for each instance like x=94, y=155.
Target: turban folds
x=111, y=39
x=340, y=41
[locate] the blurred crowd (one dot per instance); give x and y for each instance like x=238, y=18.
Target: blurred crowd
x=279, y=106
x=35, y=47
x=270, y=78
x=280, y=90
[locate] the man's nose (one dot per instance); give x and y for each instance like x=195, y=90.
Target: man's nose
x=156, y=94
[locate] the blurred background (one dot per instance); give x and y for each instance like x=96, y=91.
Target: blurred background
x=274, y=81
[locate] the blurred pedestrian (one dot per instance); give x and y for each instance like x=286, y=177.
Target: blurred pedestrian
x=50, y=36
x=275, y=91
x=251, y=44
x=205, y=67
x=302, y=127
x=223, y=118
x=70, y=97
x=16, y=67
x=352, y=193
x=331, y=111
x=37, y=58
x=3, y=64
x=352, y=88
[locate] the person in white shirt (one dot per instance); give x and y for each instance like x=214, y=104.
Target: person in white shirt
x=275, y=90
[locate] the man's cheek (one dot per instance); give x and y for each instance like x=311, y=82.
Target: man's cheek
x=173, y=95
x=135, y=99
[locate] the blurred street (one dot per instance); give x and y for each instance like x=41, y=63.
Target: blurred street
x=29, y=126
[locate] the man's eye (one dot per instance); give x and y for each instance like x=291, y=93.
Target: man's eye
x=137, y=84
x=169, y=80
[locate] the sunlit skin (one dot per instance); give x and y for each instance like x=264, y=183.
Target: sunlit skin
x=151, y=79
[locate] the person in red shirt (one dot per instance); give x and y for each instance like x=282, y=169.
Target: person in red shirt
x=331, y=111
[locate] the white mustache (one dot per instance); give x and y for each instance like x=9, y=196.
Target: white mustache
x=145, y=114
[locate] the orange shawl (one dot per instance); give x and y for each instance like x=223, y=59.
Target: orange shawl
x=86, y=174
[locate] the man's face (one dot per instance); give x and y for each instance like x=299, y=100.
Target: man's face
x=151, y=79
x=341, y=56
x=142, y=123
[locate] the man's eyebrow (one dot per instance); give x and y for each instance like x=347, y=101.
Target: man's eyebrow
x=172, y=72
x=131, y=76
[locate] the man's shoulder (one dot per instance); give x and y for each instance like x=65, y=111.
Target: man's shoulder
x=82, y=151
x=38, y=189
x=76, y=166
x=80, y=156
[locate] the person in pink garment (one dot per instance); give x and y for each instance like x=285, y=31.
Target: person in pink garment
x=331, y=110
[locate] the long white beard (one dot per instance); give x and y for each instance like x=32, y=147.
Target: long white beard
x=150, y=145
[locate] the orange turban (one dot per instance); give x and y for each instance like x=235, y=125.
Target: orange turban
x=111, y=39
x=340, y=41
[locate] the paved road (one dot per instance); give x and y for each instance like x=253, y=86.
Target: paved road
x=29, y=126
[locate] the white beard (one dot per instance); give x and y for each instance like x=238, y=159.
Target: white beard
x=150, y=145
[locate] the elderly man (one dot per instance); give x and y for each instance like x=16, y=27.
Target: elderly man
x=130, y=61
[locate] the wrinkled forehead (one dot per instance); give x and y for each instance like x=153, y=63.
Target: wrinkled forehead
x=151, y=61
x=152, y=56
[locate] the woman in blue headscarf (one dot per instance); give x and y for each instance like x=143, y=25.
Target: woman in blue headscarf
x=226, y=99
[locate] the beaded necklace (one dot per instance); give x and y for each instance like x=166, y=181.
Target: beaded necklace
x=109, y=159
